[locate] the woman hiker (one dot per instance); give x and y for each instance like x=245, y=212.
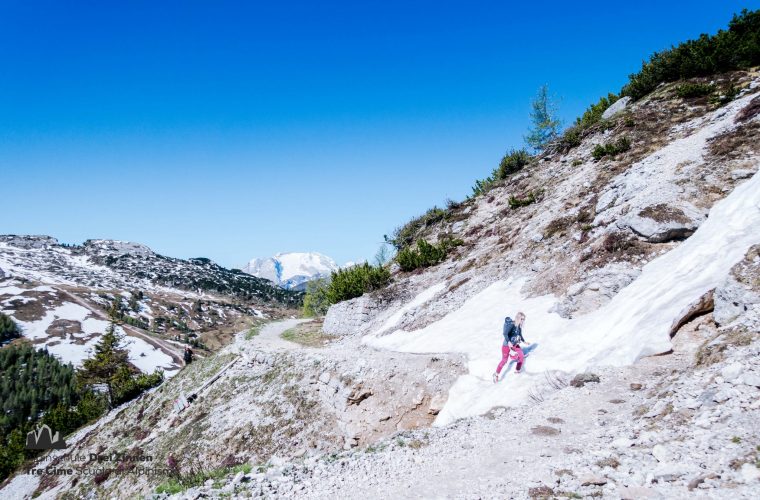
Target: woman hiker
x=512, y=339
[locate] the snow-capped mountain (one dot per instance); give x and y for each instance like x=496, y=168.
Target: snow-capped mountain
x=292, y=270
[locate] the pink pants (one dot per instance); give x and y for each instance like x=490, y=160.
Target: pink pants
x=519, y=356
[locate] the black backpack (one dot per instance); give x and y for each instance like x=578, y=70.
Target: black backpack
x=510, y=333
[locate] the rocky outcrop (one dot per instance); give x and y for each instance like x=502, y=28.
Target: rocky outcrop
x=352, y=317
x=663, y=222
x=616, y=108
x=740, y=293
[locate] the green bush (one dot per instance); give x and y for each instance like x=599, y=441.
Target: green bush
x=594, y=112
x=425, y=255
x=611, y=148
x=406, y=235
x=691, y=90
x=512, y=162
x=515, y=202
x=735, y=48
x=481, y=187
x=355, y=281
x=573, y=135
x=316, y=301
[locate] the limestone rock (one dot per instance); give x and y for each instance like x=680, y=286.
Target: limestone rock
x=616, y=107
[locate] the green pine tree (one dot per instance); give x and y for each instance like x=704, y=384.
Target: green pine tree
x=543, y=116
x=109, y=358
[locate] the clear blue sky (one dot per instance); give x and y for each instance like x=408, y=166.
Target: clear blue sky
x=232, y=130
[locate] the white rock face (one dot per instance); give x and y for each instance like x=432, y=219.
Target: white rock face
x=292, y=270
x=616, y=107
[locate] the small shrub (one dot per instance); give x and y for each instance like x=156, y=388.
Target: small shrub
x=571, y=138
x=692, y=90
x=515, y=202
x=481, y=187
x=511, y=163
x=352, y=282
x=736, y=440
x=425, y=255
x=576, y=163
x=611, y=148
x=407, y=234
x=615, y=242
x=594, y=112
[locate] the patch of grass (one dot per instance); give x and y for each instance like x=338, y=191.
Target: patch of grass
x=170, y=487
x=375, y=448
x=307, y=334
x=254, y=330
x=576, y=162
x=736, y=440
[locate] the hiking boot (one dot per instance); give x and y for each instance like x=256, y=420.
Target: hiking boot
x=495, y=377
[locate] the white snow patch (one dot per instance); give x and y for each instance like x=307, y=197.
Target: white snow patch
x=635, y=323
x=146, y=357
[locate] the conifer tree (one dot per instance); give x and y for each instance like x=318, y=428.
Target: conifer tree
x=109, y=358
x=543, y=116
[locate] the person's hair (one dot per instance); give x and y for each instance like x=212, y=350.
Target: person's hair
x=519, y=316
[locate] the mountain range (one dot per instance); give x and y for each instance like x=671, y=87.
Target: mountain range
x=293, y=270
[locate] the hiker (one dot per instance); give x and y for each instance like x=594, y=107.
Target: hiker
x=188, y=356
x=512, y=339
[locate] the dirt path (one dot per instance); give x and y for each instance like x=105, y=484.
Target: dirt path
x=269, y=338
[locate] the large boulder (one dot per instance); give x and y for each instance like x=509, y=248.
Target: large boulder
x=616, y=108
x=662, y=222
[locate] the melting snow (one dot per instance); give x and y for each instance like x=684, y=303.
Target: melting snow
x=146, y=357
x=635, y=323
